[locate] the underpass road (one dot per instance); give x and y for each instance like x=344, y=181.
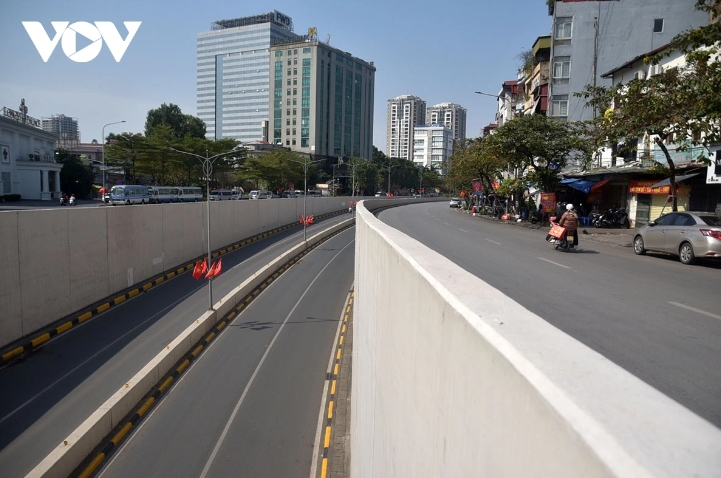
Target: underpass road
x=651, y=315
x=45, y=397
x=249, y=405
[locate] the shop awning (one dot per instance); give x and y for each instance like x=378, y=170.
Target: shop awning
x=579, y=184
x=599, y=184
x=667, y=181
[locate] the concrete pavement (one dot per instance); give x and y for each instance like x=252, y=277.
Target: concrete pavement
x=616, y=237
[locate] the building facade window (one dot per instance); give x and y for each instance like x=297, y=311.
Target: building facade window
x=561, y=69
x=658, y=25
x=559, y=105
x=563, y=28
x=278, y=53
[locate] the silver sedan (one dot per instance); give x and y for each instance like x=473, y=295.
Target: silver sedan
x=686, y=234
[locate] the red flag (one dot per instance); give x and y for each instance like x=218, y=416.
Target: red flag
x=218, y=267
x=205, y=267
x=197, y=270
x=211, y=272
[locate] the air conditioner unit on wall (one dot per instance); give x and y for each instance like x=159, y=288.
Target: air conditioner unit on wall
x=639, y=75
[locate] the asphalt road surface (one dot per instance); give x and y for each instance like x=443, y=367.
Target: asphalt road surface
x=44, y=398
x=652, y=315
x=249, y=405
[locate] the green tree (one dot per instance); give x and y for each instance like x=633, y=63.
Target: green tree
x=471, y=160
x=538, y=148
x=127, y=150
x=75, y=177
x=180, y=124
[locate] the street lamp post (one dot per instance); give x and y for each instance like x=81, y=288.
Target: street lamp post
x=305, y=186
x=389, y=175
x=207, y=163
x=104, y=166
x=505, y=99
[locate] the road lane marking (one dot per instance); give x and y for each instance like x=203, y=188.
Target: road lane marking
x=81, y=364
x=231, y=419
x=493, y=242
x=554, y=263
x=463, y=230
x=446, y=224
x=698, y=311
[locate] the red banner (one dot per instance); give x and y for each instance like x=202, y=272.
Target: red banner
x=548, y=202
x=477, y=186
x=643, y=186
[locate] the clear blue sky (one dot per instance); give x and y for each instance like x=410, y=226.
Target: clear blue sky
x=437, y=51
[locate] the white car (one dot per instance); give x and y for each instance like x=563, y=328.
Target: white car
x=456, y=202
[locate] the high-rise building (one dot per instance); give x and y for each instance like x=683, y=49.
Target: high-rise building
x=404, y=112
x=589, y=38
x=321, y=99
x=451, y=115
x=66, y=129
x=233, y=74
x=432, y=145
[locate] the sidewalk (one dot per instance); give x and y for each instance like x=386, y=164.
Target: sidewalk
x=616, y=237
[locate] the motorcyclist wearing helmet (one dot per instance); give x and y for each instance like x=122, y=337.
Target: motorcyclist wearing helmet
x=569, y=220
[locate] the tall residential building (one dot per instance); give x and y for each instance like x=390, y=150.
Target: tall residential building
x=321, y=99
x=451, y=115
x=65, y=128
x=590, y=38
x=233, y=74
x=432, y=145
x=404, y=112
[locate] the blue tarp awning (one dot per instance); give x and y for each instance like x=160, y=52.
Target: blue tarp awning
x=579, y=184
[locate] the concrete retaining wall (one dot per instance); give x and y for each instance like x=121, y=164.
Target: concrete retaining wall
x=452, y=378
x=54, y=262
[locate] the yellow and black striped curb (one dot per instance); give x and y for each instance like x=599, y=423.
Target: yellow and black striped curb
x=115, y=438
x=333, y=377
x=67, y=323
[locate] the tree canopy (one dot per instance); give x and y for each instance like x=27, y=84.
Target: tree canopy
x=181, y=125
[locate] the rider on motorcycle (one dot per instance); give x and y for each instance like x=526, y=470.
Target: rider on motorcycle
x=569, y=221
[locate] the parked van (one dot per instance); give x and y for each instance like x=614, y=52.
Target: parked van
x=129, y=194
x=221, y=195
x=260, y=194
x=161, y=194
x=190, y=194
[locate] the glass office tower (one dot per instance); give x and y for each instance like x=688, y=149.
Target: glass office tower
x=233, y=74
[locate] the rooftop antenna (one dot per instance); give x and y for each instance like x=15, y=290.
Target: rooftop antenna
x=327, y=40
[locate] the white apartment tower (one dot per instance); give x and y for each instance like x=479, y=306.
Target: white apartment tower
x=233, y=74
x=404, y=113
x=65, y=128
x=321, y=99
x=432, y=145
x=451, y=115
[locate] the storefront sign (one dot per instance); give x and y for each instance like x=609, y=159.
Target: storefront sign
x=548, y=202
x=713, y=173
x=644, y=187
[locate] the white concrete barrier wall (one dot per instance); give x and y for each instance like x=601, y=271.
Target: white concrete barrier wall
x=452, y=378
x=54, y=262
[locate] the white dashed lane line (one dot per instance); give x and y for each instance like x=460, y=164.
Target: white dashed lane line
x=554, y=263
x=493, y=242
x=694, y=309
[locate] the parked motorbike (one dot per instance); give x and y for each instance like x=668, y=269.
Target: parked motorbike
x=622, y=218
x=72, y=200
x=613, y=217
x=63, y=201
x=560, y=240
